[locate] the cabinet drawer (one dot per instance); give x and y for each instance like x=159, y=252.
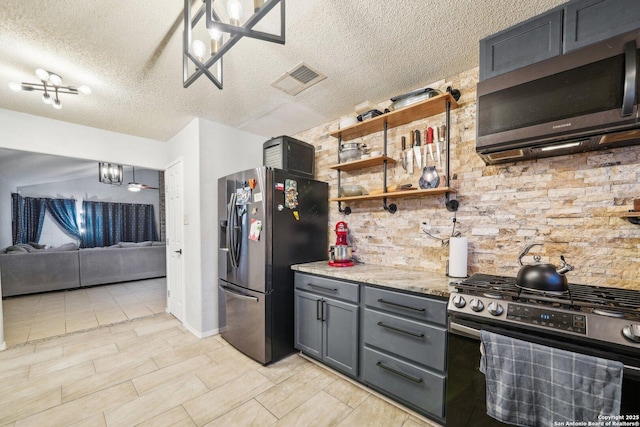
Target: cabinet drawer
x=408, y=383
x=416, y=341
x=415, y=307
x=329, y=287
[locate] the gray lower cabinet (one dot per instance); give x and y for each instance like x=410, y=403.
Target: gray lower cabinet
x=404, y=340
x=326, y=328
x=590, y=21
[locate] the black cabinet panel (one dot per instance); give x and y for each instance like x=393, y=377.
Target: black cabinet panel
x=590, y=21
x=530, y=42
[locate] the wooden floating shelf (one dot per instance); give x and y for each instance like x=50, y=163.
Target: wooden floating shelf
x=428, y=107
x=628, y=214
x=362, y=163
x=396, y=194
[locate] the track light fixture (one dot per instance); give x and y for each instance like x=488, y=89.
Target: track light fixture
x=195, y=51
x=51, y=86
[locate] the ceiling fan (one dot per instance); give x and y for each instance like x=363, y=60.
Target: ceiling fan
x=136, y=186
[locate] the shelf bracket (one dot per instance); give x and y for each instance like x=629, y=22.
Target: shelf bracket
x=451, y=205
x=392, y=208
x=346, y=210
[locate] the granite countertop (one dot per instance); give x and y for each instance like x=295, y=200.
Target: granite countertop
x=406, y=279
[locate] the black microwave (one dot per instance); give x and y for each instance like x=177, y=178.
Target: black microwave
x=581, y=101
x=289, y=154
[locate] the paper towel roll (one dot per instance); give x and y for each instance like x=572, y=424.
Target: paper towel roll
x=458, y=257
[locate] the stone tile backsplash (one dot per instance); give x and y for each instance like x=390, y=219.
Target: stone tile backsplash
x=565, y=202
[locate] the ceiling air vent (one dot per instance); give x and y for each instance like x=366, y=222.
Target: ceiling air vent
x=298, y=79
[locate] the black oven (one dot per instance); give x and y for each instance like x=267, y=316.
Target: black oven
x=465, y=396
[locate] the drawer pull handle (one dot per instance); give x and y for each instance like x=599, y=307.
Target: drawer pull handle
x=402, y=331
x=400, y=374
x=323, y=287
x=400, y=305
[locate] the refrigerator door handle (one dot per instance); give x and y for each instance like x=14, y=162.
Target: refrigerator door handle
x=237, y=294
x=231, y=231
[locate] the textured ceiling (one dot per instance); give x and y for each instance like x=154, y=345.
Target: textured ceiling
x=130, y=54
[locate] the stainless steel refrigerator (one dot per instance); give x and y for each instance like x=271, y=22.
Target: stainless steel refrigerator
x=269, y=220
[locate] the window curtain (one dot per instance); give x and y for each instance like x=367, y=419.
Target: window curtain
x=109, y=223
x=27, y=218
x=63, y=211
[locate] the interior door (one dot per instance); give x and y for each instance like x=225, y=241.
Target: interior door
x=175, y=230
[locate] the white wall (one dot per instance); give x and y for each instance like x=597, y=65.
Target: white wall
x=223, y=150
x=25, y=132
x=90, y=189
x=6, y=188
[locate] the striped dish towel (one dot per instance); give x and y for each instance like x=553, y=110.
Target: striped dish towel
x=533, y=385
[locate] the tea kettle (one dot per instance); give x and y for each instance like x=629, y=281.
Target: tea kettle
x=542, y=277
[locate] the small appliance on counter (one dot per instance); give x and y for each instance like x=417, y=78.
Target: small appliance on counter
x=340, y=253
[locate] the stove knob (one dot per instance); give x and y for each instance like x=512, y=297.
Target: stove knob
x=632, y=332
x=476, y=305
x=495, y=309
x=459, y=301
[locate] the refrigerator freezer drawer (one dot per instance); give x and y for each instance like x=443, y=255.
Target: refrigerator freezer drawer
x=246, y=320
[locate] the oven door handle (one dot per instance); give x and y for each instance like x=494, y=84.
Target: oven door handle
x=464, y=330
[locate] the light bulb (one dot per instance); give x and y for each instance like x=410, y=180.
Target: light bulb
x=134, y=186
x=16, y=87
x=216, y=37
x=57, y=104
x=55, y=79
x=46, y=98
x=84, y=89
x=198, y=49
x=42, y=74
x=234, y=9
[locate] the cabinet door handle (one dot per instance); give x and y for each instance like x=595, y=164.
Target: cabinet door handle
x=323, y=287
x=319, y=309
x=395, y=304
x=402, y=331
x=400, y=374
x=324, y=310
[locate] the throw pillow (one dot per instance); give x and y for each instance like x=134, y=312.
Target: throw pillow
x=15, y=249
x=37, y=245
x=128, y=244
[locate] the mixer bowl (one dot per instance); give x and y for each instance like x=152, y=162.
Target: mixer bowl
x=340, y=253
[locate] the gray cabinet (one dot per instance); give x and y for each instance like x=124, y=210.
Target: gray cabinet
x=574, y=25
x=527, y=43
x=404, y=340
x=327, y=321
x=590, y=21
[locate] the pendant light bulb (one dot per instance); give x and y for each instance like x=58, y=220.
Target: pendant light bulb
x=42, y=74
x=216, y=37
x=16, y=87
x=57, y=104
x=84, y=89
x=55, y=80
x=198, y=49
x=234, y=9
x=46, y=98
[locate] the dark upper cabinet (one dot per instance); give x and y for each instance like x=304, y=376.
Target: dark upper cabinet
x=590, y=21
x=532, y=41
x=574, y=25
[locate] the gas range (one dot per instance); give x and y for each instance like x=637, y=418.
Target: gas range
x=608, y=315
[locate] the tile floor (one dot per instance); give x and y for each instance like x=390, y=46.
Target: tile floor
x=32, y=317
x=152, y=372
x=111, y=356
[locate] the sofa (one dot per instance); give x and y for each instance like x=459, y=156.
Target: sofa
x=67, y=267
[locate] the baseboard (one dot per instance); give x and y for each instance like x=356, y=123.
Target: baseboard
x=199, y=334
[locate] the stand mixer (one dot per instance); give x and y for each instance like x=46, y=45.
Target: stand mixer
x=340, y=253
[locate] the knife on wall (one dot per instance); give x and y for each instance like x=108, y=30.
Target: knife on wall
x=404, y=152
x=430, y=143
x=416, y=150
x=410, y=154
